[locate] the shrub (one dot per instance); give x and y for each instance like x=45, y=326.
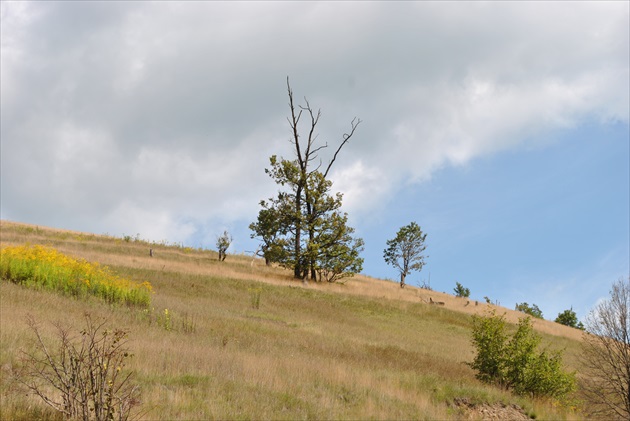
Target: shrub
x=460, y=291
x=488, y=338
x=514, y=363
x=426, y=285
x=569, y=318
x=532, y=310
x=223, y=243
x=82, y=377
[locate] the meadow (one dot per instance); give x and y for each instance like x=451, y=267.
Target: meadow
x=240, y=340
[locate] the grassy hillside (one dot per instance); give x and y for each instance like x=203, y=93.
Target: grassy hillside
x=363, y=350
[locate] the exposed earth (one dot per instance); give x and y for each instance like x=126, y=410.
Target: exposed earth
x=486, y=411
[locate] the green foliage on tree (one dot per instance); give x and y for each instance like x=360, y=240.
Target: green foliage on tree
x=569, y=318
x=223, y=243
x=303, y=227
x=270, y=229
x=335, y=252
x=326, y=248
x=405, y=251
x=514, y=362
x=532, y=310
x=460, y=291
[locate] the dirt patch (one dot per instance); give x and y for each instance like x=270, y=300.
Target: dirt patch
x=486, y=411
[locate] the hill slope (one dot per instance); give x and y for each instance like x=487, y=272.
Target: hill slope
x=244, y=340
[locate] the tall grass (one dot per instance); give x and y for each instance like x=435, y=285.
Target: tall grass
x=264, y=346
x=45, y=268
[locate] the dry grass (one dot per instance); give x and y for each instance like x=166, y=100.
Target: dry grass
x=363, y=350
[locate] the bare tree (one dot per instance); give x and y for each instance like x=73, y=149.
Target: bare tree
x=606, y=356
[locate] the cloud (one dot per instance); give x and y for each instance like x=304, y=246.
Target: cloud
x=155, y=224
x=172, y=109
x=363, y=188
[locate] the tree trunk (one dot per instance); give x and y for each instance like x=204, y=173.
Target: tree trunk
x=311, y=262
x=402, y=279
x=297, y=270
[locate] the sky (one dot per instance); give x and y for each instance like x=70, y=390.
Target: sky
x=501, y=128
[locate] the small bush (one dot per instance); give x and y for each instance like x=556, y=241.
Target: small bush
x=81, y=377
x=569, y=318
x=532, y=310
x=514, y=363
x=460, y=291
x=489, y=339
x=223, y=243
x=426, y=286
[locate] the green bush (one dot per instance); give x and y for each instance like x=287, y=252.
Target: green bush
x=514, y=362
x=532, y=310
x=460, y=291
x=489, y=339
x=569, y=318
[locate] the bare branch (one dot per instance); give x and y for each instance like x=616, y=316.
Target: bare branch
x=85, y=372
x=346, y=137
x=294, y=125
x=309, y=155
x=606, y=354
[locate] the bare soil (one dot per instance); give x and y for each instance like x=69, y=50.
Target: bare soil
x=486, y=411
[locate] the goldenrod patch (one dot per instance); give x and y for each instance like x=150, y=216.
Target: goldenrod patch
x=44, y=267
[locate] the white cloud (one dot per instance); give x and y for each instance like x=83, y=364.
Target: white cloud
x=150, y=224
x=363, y=188
x=174, y=108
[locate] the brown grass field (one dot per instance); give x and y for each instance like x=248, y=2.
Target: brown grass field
x=366, y=349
